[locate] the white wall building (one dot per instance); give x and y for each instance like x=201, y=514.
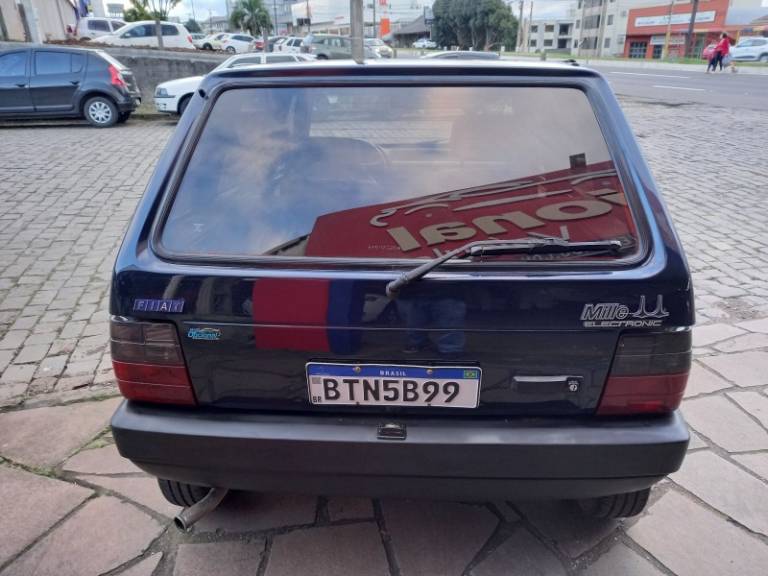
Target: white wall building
x=36, y=20
x=601, y=25
x=554, y=34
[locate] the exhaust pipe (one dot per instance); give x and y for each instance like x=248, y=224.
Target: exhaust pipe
x=185, y=519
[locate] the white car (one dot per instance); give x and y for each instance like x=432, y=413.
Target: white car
x=423, y=43
x=198, y=39
x=143, y=33
x=90, y=27
x=213, y=41
x=173, y=96
x=238, y=43
x=751, y=49
x=290, y=45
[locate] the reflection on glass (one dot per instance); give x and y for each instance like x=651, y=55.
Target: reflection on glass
x=394, y=172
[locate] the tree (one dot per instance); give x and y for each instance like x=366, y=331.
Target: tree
x=139, y=10
x=251, y=15
x=477, y=24
x=192, y=26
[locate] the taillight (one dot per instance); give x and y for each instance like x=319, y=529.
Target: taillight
x=116, y=78
x=648, y=375
x=148, y=362
x=189, y=39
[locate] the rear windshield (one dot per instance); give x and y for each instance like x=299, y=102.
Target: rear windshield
x=396, y=172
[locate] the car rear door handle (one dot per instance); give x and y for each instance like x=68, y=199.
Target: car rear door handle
x=22, y=85
x=74, y=82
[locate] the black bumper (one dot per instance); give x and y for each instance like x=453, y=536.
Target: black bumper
x=468, y=459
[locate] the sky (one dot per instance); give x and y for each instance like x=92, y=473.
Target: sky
x=541, y=8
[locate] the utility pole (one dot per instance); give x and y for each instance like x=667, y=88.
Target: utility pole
x=375, y=32
x=356, y=30
x=601, y=31
x=689, y=37
x=528, y=32
x=665, y=53
x=520, y=29
x=192, y=2
x=274, y=26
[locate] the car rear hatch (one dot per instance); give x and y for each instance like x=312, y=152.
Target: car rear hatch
x=278, y=240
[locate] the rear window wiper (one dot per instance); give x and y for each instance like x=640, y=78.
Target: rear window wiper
x=481, y=248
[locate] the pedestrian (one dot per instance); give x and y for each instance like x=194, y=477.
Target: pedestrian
x=722, y=50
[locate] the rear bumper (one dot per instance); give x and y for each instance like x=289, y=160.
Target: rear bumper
x=441, y=458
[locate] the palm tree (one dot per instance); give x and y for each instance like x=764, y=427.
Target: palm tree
x=251, y=15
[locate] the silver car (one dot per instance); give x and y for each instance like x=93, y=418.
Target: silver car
x=378, y=46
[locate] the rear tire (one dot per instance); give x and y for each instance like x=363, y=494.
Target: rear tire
x=616, y=505
x=763, y=58
x=231, y=50
x=183, y=104
x=322, y=57
x=101, y=112
x=181, y=494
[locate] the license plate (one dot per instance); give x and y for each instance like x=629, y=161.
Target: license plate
x=388, y=385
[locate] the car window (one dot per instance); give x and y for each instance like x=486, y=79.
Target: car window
x=78, y=61
x=278, y=59
x=13, y=64
x=52, y=62
x=283, y=171
x=169, y=30
x=245, y=61
x=117, y=24
x=98, y=25
x=140, y=31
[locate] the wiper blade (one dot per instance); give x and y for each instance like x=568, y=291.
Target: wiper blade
x=481, y=248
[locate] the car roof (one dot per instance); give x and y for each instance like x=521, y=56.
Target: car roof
x=51, y=48
x=416, y=66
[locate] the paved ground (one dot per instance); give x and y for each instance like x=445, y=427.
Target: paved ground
x=70, y=505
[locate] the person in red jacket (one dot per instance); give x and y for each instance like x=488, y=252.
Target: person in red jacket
x=722, y=49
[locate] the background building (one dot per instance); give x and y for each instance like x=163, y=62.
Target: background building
x=545, y=35
x=36, y=20
x=601, y=26
x=648, y=27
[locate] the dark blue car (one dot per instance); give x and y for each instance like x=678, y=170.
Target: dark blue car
x=444, y=279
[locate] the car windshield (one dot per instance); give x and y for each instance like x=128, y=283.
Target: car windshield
x=374, y=42
x=395, y=172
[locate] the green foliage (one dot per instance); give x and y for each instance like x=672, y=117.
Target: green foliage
x=478, y=24
x=251, y=15
x=149, y=10
x=192, y=26
x=139, y=10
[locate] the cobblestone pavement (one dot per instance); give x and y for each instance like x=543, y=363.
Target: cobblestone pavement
x=70, y=505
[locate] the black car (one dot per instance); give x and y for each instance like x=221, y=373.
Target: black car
x=53, y=82
x=478, y=294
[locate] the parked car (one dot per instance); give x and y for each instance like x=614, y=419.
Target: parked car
x=238, y=43
x=59, y=82
x=173, y=96
x=331, y=47
x=463, y=55
x=541, y=339
x=291, y=45
x=424, y=43
x=198, y=39
x=144, y=33
x=751, y=49
x=378, y=46
x=213, y=41
x=273, y=41
x=708, y=52
x=92, y=27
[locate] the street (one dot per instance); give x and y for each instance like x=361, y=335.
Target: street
x=721, y=89
x=70, y=505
